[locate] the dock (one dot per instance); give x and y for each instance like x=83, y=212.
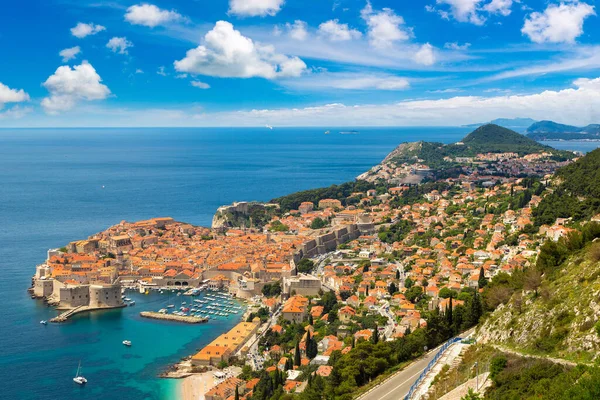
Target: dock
x=72, y=311
x=171, y=317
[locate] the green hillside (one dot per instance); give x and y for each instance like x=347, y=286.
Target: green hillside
x=493, y=138
x=576, y=192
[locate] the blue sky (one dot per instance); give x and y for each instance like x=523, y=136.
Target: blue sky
x=297, y=62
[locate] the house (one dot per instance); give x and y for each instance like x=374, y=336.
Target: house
x=226, y=389
x=346, y=313
x=294, y=309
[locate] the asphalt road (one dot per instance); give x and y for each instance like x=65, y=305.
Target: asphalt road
x=398, y=386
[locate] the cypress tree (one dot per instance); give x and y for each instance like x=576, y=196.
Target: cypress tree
x=297, y=358
x=481, y=282
x=310, y=319
x=397, y=274
x=449, y=311
x=237, y=393
x=375, y=336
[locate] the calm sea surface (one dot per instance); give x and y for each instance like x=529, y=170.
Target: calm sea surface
x=59, y=185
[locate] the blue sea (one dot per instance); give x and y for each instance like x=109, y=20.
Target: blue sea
x=59, y=185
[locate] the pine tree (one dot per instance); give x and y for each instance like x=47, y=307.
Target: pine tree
x=237, y=393
x=297, y=358
x=375, y=336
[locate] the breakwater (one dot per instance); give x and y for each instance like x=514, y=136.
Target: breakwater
x=171, y=317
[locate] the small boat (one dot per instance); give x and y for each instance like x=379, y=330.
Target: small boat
x=132, y=303
x=44, y=322
x=127, y=299
x=127, y=343
x=170, y=306
x=327, y=132
x=80, y=380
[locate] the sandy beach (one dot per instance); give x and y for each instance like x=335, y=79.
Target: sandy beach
x=194, y=386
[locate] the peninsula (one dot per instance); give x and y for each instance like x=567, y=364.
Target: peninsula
x=349, y=284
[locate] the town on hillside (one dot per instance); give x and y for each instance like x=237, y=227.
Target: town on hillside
x=383, y=274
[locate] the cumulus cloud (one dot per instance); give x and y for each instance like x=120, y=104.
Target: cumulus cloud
x=385, y=27
x=150, y=15
x=70, y=53
x=502, y=7
x=297, y=30
x=200, y=85
x=225, y=52
x=119, y=45
x=67, y=86
x=465, y=10
x=8, y=95
x=561, y=23
x=82, y=30
x=334, y=31
x=255, y=8
x=425, y=55
x=15, y=112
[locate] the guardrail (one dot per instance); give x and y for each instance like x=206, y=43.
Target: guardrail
x=434, y=360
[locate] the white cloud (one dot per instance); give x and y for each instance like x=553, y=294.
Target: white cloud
x=255, y=8
x=82, y=30
x=502, y=7
x=70, y=53
x=69, y=85
x=139, y=71
x=200, y=85
x=561, y=23
x=8, y=95
x=385, y=27
x=119, y=44
x=297, y=30
x=336, y=32
x=15, y=112
x=161, y=71
x=150, y=15
x=225, y=52
x=465, y=10
x=348, y=81
x=457, y=46
x=579, y=105
x=425, y=55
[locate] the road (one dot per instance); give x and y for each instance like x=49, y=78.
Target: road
x=398, y=386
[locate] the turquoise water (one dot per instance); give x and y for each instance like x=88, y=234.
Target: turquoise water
x=51, y=193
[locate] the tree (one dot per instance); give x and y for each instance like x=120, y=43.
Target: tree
x=305, y=266
x=297, y=357
x=392, y=288
x=318, y=223
x=471, y=395
x=311, y=346
x=481, y=282
x=446, y=293
x=237, y=393
x=408, y=283
x=375, y=336
x=310, y=319
x=397, y=274
x=449, y=312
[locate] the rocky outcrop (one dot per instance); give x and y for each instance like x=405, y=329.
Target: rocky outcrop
x=239, y=214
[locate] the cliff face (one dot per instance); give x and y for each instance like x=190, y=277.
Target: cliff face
x=243, y=215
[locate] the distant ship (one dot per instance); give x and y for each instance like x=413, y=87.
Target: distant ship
x=269, y=127
x=327, y=132
x=127, y=342
x=349, y=132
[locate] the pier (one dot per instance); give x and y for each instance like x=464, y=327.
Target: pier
x=72, y=311
x=171, y=317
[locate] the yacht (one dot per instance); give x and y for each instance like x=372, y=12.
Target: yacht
x=127, y=343
x=170, y=306
x=43, y=322
x=132, y=303
x=78, y=378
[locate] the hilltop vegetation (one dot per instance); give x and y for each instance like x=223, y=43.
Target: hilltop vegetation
x=576, y=193
x=488, y=138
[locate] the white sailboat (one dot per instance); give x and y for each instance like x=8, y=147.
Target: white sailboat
x=78, y=378
x=127, y=342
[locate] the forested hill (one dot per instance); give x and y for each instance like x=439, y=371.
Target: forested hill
x=488, y=138
x=577, y=193
x=493, y=138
